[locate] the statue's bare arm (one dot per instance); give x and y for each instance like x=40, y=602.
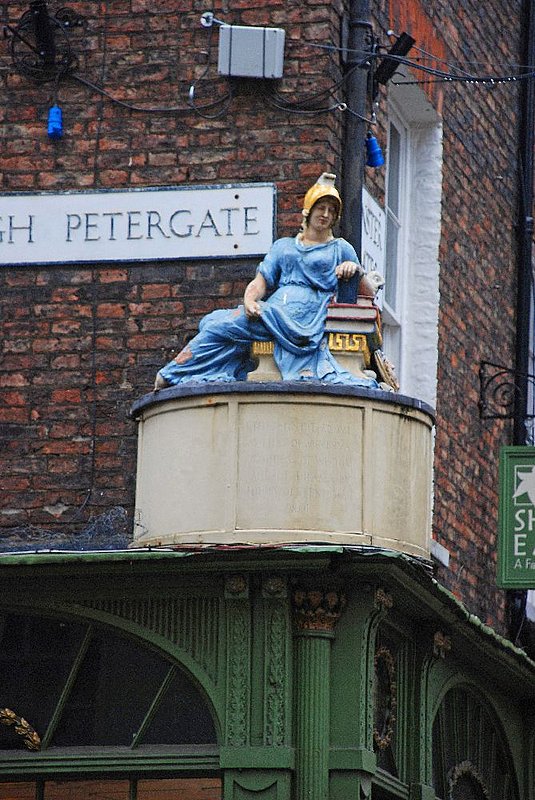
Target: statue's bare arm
x=254, y=292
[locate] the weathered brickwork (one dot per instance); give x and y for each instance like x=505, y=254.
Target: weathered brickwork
x=478, y=257
x=79, y=346
x=80, y=343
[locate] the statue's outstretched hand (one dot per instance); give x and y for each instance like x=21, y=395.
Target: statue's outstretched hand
x=252, y=308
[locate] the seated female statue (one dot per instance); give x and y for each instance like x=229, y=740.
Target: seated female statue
x=286, y=303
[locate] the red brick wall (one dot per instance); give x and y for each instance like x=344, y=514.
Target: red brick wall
x=148, y=55
x=79, y=346
x=478, y=263
x=81, y=343
x=478, y=258
x=164, y=789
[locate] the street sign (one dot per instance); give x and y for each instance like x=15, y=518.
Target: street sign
x=146, y=224
x=516, y=520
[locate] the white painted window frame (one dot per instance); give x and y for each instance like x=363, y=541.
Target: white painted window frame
x=393, y=316
x=411, y=332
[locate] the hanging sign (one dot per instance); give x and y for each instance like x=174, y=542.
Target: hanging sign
x=373, y=234
x=137, y=224
x=516, y=525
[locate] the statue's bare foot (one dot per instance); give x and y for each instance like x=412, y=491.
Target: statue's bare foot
x=159, y=383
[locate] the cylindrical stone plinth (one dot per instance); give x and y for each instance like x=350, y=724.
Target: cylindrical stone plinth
x=247, y=463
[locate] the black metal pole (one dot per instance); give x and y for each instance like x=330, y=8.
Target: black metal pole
x=516, y=598
x=524, y=289
x=44, y=36
x=353, y=153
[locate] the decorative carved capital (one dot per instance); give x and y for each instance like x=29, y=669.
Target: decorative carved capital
x=317, y=610
x=383, y=599
x=274, y=587
x=236, y=587
x=441, y=644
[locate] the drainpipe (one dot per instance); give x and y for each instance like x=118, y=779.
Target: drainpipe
x=353, y=151
x=525, y=229
x=516, y=599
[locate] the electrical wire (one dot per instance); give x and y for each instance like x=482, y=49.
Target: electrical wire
x=27, y=64
x=324, y=93
x=298, y=106
x=441, y=76
x=383, y=53
x=304, y=111
x=466, y=78
x=198, y=109
x=437, y=76
x=486, y=81
x=227, y=99
x=311, y=104
x=149, y=110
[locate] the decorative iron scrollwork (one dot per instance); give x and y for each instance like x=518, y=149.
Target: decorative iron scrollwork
x=40, y=45
x=499, y=388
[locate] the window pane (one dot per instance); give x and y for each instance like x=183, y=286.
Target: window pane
x=180, y=789
x=392, y=233
x=87, y=790
x=112, y=694
x=17, y=791
x=394, y=155
x=182, y=717
x=36, y=656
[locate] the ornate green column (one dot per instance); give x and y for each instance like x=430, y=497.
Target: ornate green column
x=315, y=613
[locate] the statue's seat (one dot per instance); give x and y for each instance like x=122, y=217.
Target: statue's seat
x=354, y=338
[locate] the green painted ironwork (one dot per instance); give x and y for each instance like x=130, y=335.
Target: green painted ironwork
x=295, y=713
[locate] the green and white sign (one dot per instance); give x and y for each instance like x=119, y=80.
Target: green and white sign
x=516, y=526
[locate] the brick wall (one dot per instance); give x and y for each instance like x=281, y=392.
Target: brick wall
x=478, y=257
x=79, y=346
x=478, y=263
x=81, y=343
x=164, y=789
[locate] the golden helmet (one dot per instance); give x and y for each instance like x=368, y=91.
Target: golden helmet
x=324, y=187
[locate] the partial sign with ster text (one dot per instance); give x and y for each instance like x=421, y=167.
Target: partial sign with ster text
x=516, y=526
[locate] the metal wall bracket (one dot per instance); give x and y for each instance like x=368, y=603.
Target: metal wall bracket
x=499, y=388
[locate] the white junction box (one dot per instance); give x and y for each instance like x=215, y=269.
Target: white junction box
x=249, y=52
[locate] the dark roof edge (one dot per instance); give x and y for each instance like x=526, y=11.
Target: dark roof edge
x=201, y=389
